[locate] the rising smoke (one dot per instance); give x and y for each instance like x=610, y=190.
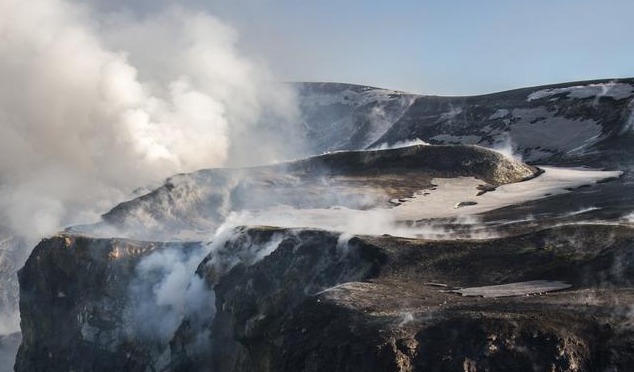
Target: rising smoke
x=162, y=292
x=507, y=147
x=91, y=108
x=166, y=291
x=94, y=105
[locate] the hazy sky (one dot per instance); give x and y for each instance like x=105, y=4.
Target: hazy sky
x=436, y=47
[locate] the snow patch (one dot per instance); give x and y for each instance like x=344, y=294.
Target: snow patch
x=535, y=127
x=514, y=289
x=333, y=118
x=448, y=116
x=499, y=114
x=425, y=205
x=440, y=202
x=616, y=91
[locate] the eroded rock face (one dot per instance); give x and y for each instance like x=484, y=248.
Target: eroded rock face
x=308, y=300
x=542, y=124
x=305, y=263
x=74, y=292
x=397, y=314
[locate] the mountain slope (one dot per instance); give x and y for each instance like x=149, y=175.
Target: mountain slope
x=541, y=123
x=348, y=117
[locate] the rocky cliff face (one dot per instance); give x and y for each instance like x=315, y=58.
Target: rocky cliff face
x=306, y=300
x=396, y=314
x=73, y=292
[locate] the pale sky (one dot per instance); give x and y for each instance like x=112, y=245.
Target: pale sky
x=448, y=47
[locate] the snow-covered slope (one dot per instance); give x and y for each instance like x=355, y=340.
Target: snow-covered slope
x=541, y=124
x=345, y=117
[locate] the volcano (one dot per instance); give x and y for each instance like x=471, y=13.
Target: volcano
x=424, y=233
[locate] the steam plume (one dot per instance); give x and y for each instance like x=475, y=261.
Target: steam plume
x=94, y=107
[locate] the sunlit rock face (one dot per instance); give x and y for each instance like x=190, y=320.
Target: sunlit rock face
x=370, y=265
x=73, y=296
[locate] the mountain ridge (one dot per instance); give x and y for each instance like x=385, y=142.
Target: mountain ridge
x=360, y=86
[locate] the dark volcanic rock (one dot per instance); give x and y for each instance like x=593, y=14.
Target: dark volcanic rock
x=308, y=300
x=73, y=294
x=371, y=304
x=435, y=161
x=305, y=263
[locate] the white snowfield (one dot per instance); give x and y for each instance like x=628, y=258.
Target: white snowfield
x=513, y=289
x=440, y=202
x=617, y=91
